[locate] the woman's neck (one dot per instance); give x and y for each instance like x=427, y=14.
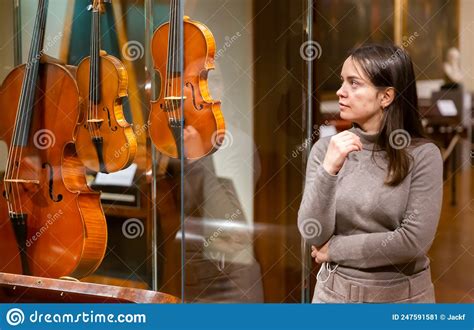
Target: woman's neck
x=369, y=130
x=372, y=126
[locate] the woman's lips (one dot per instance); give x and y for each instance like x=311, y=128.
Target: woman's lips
x=343, y=106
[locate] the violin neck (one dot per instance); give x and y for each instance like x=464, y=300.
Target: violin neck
x=28, y=88
x=175, y=39
x=94, y=77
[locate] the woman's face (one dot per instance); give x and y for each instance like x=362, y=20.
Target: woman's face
x=359, y=100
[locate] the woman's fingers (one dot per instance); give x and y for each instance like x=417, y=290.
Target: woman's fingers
x=317, y=259
x=351, y=147
x=347, y=138
x=348, y=147
x=339, y=147
x=316, y=254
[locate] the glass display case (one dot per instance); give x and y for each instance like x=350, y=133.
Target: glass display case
x=187, y=125
x=193, y=123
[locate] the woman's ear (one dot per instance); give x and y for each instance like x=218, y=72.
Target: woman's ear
x=388, y=95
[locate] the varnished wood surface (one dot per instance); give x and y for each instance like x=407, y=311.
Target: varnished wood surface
x=19, y=288
x=66, y=230
x=119, y=140
x=199, y=49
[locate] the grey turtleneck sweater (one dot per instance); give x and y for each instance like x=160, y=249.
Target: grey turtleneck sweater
x=375, y=231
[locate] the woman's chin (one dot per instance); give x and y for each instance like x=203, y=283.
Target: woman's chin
x=344, y=115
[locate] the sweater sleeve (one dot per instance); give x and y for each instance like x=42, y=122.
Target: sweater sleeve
x=416, y=233
x=317, y=213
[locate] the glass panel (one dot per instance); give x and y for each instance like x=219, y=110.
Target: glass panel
x=128, y=259
x=123, y=100
x=217, y=221
x=240, y=202
x=165, y=113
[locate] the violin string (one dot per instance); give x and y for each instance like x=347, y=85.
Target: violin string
x=31, y=89
x=97, y=68
x=171, y=61
x=12, y=152
x=26, y=95
x=177, y=62
x=94, y=60
x=94, y=76
x=177, y=65
x=91, y=81
x=89, y=109
x=92, y=63
x=175, y=59
x=166, y=78
x=19, y=126
x=179, y=53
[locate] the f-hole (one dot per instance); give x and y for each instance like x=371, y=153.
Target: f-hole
x=51, y=182
x=188, y=84
x=113, y=129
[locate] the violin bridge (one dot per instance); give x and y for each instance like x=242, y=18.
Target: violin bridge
x=22, y=181
x=175, y=98
x=95, y=122
x=173, y=103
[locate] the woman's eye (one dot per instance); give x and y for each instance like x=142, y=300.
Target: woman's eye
x=354, y=83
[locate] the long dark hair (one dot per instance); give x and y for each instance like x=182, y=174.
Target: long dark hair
x=391, y=66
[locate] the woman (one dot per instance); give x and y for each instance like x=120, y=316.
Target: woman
x=373, y=193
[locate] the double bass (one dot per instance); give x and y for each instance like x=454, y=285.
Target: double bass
x=51, y=223
x=184, y=99
x=105, y=140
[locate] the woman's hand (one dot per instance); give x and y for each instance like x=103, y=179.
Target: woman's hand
x=320, y=254
x=193, y=146
x=339, y=147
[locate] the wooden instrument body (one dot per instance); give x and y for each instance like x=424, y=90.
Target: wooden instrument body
x=66, y=229
x=200, y=110
x=119, y=142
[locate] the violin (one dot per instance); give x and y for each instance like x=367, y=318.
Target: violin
x=184, y=99
x=105, y=140
x=51, y=223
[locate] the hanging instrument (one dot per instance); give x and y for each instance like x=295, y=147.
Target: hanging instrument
x=51, y=223
x=105, y=140
x=184, y=99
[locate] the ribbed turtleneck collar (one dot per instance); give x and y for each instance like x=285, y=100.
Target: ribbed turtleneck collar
x=368, y=140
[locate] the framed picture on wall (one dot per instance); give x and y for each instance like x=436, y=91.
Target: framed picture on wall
x=342, y=25
x=427, y=34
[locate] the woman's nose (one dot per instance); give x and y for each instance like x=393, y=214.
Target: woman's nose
x=341, y=92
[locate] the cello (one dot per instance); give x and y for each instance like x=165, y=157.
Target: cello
x=105, y=140
x=184, y=99
x=51, y=223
